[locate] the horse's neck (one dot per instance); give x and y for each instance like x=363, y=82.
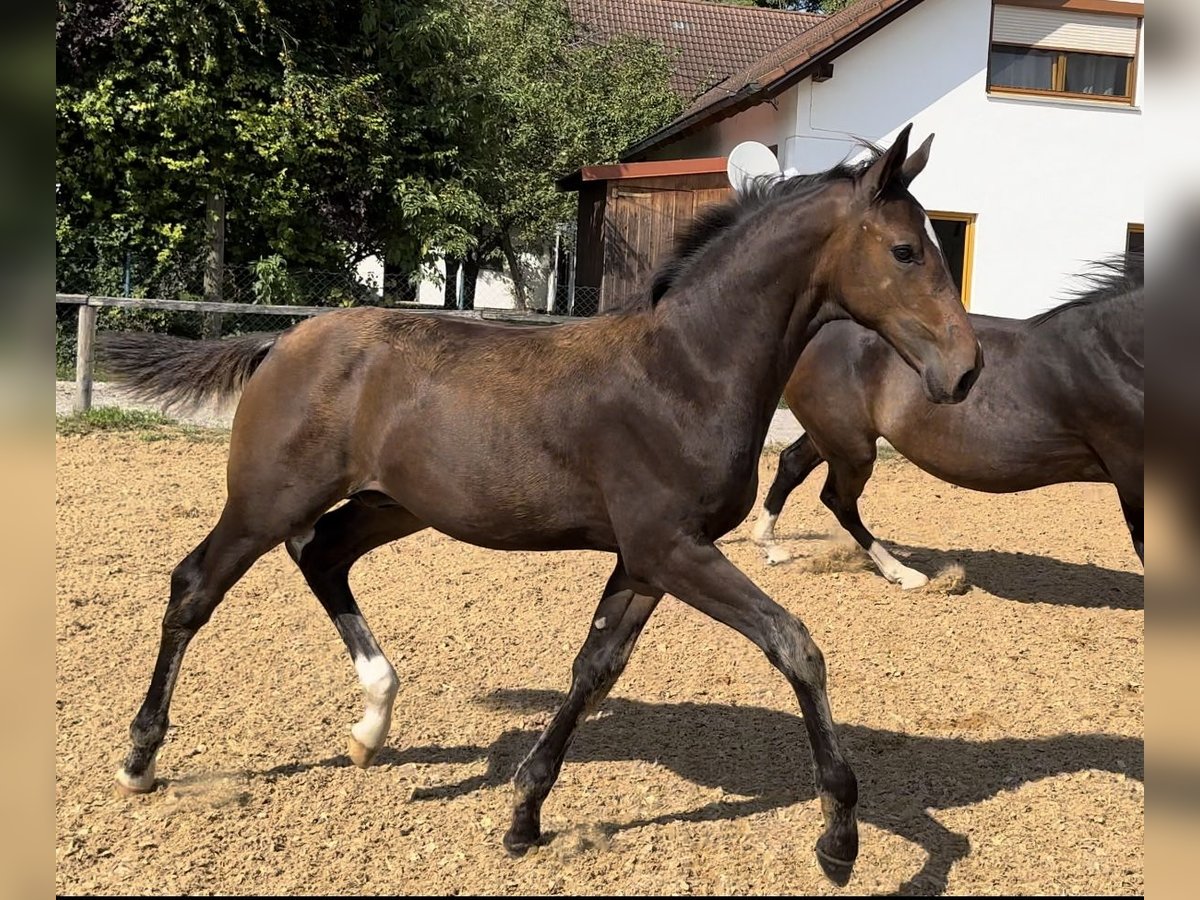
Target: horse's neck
x=747, y=313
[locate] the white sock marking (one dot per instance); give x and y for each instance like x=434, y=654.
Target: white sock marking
x=138, y=783
x=379, y=683
x=894, y=570
x=764, y=528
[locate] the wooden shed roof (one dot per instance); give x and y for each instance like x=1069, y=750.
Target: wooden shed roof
x=653, y=169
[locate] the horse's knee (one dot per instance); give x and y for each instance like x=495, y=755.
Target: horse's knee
x=791, y=649
x=187, y=610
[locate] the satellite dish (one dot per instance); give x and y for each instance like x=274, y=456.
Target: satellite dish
x=750, y=160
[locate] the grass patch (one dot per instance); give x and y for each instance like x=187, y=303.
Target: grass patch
x=148, y=426
x=110, y=418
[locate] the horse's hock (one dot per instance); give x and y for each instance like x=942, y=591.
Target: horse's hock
x=1012, y=713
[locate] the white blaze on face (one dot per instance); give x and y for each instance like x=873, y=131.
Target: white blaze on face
x=379, y=683
x=933, y=238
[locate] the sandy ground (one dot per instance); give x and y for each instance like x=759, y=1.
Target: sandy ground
x=997, y=733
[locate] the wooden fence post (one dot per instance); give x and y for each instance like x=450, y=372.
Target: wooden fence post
x=214, y=262
x=85, y=357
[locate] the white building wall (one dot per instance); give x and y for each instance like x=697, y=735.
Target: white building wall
x=493, y=290
x=1053, y=183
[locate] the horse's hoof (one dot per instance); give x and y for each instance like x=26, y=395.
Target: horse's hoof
x=130, y=785
x=518, y=845
x=777, y=555
x=360, y=754
x=911, y=580
x=836, y=870
x=836, y=855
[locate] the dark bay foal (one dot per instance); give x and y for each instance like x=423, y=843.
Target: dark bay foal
x=642, y=439
x=1063, y=399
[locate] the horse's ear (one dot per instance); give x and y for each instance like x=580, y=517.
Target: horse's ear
x=886, y=168
x=914, y=165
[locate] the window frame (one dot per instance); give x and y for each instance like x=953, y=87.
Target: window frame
x=1058, y=74
x=1130, y=10
x=1131, y=229
x=968, y=246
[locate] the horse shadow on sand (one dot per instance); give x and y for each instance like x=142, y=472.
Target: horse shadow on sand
x=1028, y=578
x=762, y=755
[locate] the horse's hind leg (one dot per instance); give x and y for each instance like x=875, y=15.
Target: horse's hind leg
x=843, y=487
x=623, y=611
x=198, y=585
x=1135, y=518
x=795, y=464
x=325, y=556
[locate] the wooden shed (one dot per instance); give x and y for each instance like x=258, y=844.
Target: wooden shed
x=629, y=215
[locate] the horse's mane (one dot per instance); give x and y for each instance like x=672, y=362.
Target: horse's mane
x=1107, y=279
x=718, y=219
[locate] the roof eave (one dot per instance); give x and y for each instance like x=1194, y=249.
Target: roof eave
x=781, y=79
x=680, y=128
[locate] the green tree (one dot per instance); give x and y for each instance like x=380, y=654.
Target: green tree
x=329, y=131
x=323, y=125
x=546, y=103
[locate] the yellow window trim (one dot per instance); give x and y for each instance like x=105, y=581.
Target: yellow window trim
x=968, y=248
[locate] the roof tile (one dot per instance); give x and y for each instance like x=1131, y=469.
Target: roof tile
x=710, y=41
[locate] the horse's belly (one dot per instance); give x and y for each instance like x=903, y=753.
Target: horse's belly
x=999, y=468
x=505, y=511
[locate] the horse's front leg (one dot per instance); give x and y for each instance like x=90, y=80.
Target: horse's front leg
x=697, y=573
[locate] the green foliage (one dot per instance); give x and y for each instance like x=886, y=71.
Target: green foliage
x=313, y=118
x=145, y=425
x=64, y=349
x=545, y=104
x=272, y=284
x=333, y=130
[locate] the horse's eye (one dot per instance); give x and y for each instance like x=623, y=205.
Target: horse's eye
x=903, y=253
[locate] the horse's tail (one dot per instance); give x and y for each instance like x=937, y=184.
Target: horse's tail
x=176, y=371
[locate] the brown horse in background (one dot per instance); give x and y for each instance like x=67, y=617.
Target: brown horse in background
x=642, y=438
x=1062, y=400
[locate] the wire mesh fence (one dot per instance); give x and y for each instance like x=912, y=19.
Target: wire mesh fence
x=586, y=300
x=266, y=281
x=260, y=295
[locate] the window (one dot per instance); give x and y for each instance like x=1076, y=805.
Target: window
x=1135, y=239
x=1135, y=249
x=956, y=234
x=1056, y=49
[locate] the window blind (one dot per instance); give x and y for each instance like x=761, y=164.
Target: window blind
x=1061, y=29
